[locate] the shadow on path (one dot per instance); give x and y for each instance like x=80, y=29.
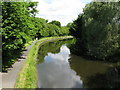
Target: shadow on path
x=9, y=78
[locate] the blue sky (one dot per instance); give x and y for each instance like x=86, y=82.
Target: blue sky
x=64, y=11
x=48, y=1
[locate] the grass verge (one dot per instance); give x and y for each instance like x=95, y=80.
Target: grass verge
x=27, y=77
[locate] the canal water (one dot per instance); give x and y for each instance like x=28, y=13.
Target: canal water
x=57, y=67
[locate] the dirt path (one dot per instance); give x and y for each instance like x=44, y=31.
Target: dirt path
x=9, y=79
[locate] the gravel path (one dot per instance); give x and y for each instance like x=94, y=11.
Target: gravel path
x=9, y=78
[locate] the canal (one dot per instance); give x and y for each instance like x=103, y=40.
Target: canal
x=57, y=67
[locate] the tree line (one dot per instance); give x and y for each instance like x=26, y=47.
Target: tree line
x=97, y=31
x=20, y=26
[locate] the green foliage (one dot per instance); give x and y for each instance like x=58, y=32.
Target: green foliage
x=39, y=24
x=57, y=23
x=20, y=26
x=69, y=25
x=53, y=30
x=49, y=30
x=64, y=30
x=97, y=30
x=16, y=29
x=76, y=27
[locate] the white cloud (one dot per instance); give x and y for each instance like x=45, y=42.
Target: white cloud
x=64, y=11
x=56, y=72
x=63, y=55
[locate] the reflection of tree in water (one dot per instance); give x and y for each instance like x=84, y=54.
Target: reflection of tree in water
x=95, y=74
x=110, y=79
x=53, y=47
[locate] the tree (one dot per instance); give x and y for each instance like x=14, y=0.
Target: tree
x=50, y=30
x=69, y=24
x=16, y=29
x=56, y=23
x=97, y=30
x=64, y=30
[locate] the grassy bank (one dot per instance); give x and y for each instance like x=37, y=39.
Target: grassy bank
x=27, y=77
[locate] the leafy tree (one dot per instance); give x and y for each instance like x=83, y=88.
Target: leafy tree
x=64, y=31
x=51, y=30
x=16, y=29
x=20, y=26
x=76, y=26
x=39, y=24
x=69, y=25
x=97, y=30
x=56, y=23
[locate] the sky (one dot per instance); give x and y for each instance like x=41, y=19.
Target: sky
x=64, y=11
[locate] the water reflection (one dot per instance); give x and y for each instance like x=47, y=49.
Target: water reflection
x=52, y=47
x=55, y=72
x=109, y=79
x=62, y=55
x=95, y=74
x=58, y=68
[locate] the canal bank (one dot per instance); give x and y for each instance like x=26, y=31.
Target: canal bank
x=27, y=77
